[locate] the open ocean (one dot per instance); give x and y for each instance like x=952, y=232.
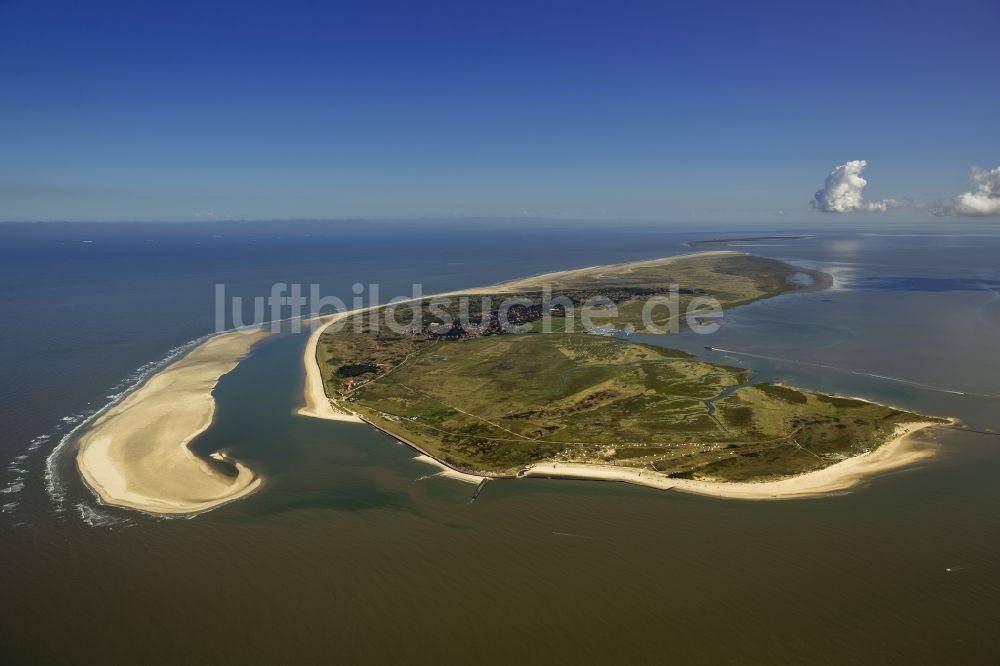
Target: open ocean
x=349, y=554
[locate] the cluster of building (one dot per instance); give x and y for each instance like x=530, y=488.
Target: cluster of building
x=353, y=383
x=489, y=323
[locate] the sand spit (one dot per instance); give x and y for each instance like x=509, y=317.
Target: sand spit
x=598, y=271
x=899, y=452
x=448, y=472
x=136, y=454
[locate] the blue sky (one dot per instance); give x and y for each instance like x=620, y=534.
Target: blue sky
x=186, y=111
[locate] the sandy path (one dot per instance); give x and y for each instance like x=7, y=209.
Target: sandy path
x=136, y=454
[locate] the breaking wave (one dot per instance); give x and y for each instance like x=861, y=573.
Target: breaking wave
x=18, y=470
x=96, y=518
x=54, y=484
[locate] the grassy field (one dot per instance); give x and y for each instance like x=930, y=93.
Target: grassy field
x=495, y=403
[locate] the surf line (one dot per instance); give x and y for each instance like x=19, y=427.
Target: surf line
x=928, y=387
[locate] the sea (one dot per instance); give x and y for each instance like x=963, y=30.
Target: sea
x=354, y=552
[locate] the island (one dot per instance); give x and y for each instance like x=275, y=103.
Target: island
x=746, y=240
x=529, y=392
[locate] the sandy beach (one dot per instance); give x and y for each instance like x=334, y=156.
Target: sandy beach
x=899, y=452
x=594, y=271
x=315, y=401
x=136, y=454
x=448, y=472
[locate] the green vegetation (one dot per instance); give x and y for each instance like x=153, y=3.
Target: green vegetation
x=493, y=402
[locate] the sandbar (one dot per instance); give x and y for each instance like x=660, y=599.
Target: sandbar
x=136, y=454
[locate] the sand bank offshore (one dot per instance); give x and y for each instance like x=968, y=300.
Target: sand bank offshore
x=136, y=454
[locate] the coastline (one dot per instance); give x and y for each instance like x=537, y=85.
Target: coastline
x=136, y=454
x=520, y=283
x=316, y=402
x=425, y=457
x=448, y=472
x=838, y=478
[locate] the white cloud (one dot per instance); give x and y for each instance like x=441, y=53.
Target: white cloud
x=982, y=200
x=842, y=191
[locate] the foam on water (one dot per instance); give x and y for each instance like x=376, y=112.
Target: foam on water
x=843, y=273
x=97, y=518
x=18, y=468
x=54, y=485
